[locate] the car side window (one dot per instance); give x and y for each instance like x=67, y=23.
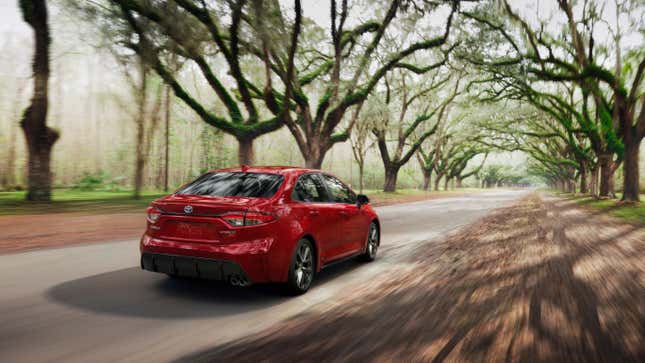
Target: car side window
x=309, y=189
x=340, y=193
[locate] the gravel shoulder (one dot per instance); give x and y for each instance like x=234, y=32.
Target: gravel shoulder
x=541, y=281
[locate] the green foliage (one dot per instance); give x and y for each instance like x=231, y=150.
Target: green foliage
x=629, y=212
x=100, y=181
x=495, y=174
x=91, y=182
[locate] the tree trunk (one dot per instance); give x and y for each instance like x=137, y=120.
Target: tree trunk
x=139, y=162
x=39, y=178
x=593, y=183
x=314, y=156
x=606, y=174
x=427, y=179
x=630, y=171
x=245, y=154
x=166, y=141
x=445, y=184
x=583, y=177
x=460, y=183
x=361, y=172
x=315, y=163
x=391, y=173
x=436, y=183
x=40, y=138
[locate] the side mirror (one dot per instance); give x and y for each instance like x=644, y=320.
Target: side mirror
x=362, y=199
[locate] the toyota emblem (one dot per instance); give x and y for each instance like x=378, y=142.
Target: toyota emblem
x=188, y=209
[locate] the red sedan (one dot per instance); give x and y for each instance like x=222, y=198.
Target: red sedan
x=259, y=224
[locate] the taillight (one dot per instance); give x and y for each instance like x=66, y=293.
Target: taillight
x=153, y=214
x=248, y=218
x=255, y=218
x=234, y=219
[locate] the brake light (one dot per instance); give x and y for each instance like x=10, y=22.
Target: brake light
x=234, y=219
x=153, y=214
x=255, y=218
x=247, y=218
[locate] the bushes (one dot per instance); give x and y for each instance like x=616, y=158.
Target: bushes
x=100, y=181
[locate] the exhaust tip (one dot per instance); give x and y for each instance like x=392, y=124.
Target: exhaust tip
x=243, y=281
x=238, y=280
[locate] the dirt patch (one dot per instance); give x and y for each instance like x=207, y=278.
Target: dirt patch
x=33, y=231
x=541, y=281
x=28, y=232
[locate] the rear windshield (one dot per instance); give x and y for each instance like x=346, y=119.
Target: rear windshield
x=236, y=184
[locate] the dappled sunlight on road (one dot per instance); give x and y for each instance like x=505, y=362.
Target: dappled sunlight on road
x=537, y=281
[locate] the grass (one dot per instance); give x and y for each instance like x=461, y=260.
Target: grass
x=634, y=213
x=75, y=201
x=628, y=212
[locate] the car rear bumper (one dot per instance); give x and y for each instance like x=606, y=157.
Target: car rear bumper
x=186, y=266
x=247, y=261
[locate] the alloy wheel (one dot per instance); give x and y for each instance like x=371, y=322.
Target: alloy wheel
x=303, y=268
x=372, y=241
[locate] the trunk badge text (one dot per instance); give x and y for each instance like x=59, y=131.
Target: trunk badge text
x=188, y=209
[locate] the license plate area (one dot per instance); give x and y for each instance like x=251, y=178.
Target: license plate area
x=188, y=230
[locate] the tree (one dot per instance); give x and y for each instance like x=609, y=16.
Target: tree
x=555, y=121
x=456, y=143
x=40, y=138
x=231, y=41
x=167, y=117
x=552, y=146
x=147, y=119
x=458, y=166
x=426, y=162
x=574, y=57
x=193, y=32
x=360, y=141
x=442, y=150
x=452, y=154
x=317, y=131
x=424, y=106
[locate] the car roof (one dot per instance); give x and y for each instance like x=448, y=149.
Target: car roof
x=272, y=169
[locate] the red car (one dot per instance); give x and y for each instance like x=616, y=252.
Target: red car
x=259, y=224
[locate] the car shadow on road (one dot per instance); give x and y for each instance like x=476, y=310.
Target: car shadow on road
x=133, y=292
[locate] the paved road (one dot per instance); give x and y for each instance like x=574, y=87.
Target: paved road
x=93, y=303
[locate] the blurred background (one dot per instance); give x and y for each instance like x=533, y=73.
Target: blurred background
x=91, y=107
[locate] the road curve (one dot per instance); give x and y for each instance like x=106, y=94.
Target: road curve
x=93, y=303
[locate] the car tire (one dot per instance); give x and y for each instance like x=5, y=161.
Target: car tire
x=372, y=243
x=301, y=268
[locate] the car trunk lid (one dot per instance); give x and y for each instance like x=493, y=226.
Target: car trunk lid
x=197, y=218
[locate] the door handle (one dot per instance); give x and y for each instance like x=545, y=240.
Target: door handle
x=314, y=213
x=343, y=213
